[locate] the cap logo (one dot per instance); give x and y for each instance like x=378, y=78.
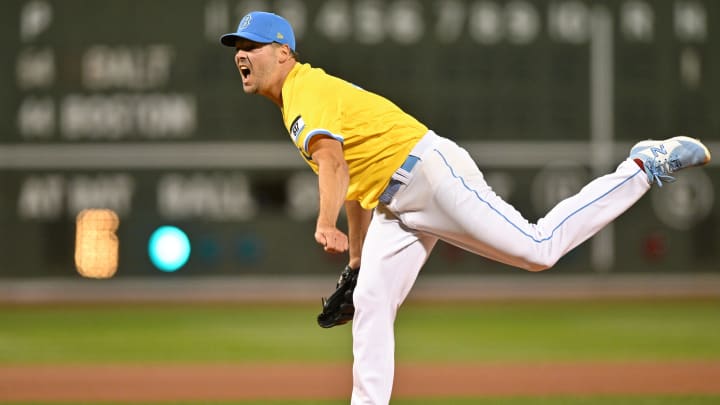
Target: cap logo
x=245, y=22
x=280, y=36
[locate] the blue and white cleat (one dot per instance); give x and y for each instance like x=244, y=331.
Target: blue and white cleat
x=660, y=159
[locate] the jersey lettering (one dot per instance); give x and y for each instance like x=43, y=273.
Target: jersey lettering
x=297, y=127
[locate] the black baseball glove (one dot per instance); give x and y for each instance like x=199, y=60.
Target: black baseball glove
x=338, y=309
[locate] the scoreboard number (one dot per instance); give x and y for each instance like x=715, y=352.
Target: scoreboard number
x=96, y=243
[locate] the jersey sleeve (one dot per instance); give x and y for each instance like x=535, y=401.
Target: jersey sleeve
x=314, y=118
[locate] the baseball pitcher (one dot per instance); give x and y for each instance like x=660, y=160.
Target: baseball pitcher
x=404, y=187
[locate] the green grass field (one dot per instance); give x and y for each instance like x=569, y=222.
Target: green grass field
x=515, y=331
x=426, y=332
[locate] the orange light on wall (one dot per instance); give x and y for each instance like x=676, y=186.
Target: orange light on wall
x=96, y=244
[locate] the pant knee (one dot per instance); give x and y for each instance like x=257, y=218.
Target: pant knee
x=374, y=302
x=536, y=262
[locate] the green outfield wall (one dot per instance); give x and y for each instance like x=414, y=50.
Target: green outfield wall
x=126, y=106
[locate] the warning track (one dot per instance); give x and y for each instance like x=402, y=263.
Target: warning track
x=301, y=381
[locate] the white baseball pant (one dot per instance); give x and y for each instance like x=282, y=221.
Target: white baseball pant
x=444, y=196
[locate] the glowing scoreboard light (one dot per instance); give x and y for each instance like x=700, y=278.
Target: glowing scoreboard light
x=169, y=248
x=96, y=243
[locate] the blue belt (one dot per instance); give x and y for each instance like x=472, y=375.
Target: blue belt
x=395, y=184
x=402, y=174
x=409, y=163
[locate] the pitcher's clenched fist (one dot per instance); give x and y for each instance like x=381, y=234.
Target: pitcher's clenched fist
x=331, y=239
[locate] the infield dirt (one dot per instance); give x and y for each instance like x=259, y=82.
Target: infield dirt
x=301, y=381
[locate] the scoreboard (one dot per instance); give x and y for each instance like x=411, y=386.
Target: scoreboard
x=134, y=106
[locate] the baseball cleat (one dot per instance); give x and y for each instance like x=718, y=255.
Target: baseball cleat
x=660, y=159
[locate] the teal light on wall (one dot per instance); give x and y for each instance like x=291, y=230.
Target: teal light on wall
x=169, y=248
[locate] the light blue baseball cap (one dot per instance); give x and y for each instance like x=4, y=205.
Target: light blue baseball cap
x=264, y=28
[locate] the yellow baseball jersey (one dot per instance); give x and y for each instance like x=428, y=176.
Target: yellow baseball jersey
x=376, y=135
